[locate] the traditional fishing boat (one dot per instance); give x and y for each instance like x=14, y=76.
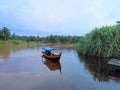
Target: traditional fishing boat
x=48, y=54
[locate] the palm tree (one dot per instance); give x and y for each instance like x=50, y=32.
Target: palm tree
x=5, y=33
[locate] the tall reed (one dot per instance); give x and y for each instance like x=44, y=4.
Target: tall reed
x=101, y=42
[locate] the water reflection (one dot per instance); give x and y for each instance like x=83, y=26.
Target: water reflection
x=115, y=74
x=25, y=65
x=99, y=69
x=7, y=50
x=52, y=66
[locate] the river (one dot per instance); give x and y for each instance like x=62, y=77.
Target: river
x=23, y=68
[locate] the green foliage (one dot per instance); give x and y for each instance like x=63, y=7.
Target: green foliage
x=5, y=35
x=101, y=42
x=61, y=39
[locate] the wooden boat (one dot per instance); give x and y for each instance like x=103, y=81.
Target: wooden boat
x=48, y=55
x=114, y=62
x=52, y=57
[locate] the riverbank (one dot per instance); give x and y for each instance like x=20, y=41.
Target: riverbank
x=17, y=42
x=21, y=42
x=62, y=45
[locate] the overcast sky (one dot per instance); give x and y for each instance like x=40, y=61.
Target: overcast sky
x=61, y=17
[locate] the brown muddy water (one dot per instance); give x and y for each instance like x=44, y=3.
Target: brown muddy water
x=23, y=68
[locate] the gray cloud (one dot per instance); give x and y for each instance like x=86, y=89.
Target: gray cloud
x=61, y=15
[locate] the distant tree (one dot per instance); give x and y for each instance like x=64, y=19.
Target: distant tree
x=5, y=33
x=118, y=22
x=1, y=34
x=14, y=36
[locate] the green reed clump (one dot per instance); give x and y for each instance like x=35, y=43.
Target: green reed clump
x=101, y=42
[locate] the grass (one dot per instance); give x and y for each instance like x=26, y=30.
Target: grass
x=101, y=42
x=17, y=42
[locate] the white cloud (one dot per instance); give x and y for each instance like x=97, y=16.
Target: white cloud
x=47, y=14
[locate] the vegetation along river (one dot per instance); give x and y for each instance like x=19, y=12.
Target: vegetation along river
x=23, y=68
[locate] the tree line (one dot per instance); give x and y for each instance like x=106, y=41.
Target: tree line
x=101, y=42
x=5, y=34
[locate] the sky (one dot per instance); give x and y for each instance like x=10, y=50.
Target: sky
x=57, y=17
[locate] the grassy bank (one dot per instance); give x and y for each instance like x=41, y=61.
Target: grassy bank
x=21, y=42
x=17, y=42
x=101, y=42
